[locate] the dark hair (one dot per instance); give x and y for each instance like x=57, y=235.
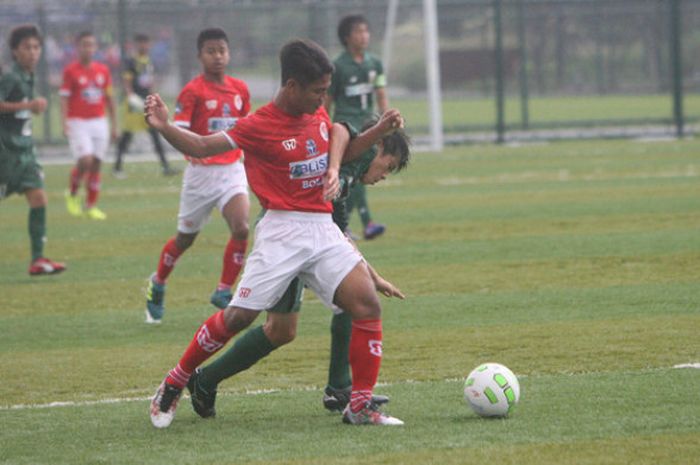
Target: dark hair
x=304, y=61
x=213, y=33
x=346, y=24
x=84, y=34
x=397, y=143
x=21, y=32
x=141, y=37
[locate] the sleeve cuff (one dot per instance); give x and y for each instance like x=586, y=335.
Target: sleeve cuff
x=230, y=140
x=182, y=124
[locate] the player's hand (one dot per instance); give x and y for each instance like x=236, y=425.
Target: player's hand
x=331, y=184
x=385, y=287
x=156, y=112
x=390, y=121
x=38, y=105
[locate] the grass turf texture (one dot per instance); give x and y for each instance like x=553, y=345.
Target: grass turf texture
x=575, y=264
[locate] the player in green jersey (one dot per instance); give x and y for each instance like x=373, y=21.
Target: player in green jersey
x=358, y=78
x=19, y=170
x=389, y=155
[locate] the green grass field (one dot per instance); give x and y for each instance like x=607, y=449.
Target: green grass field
x=575, y=264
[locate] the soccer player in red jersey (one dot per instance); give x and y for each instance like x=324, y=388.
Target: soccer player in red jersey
x=210, y=103
x=293, y=154
x=86, y=94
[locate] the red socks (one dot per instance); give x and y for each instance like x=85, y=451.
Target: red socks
x=209, y=338
x=365, y=360
x=168, y=257
x=92, y=184
x=234, y=257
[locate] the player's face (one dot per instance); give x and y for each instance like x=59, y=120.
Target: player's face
x=309, y=98
x=381, y=166
x=214, y=56
x=359, y=37
x=27, y=53
x=143, y=47
x=87, y=47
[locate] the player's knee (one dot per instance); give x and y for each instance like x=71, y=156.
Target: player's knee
x=238, y=319
x=278, y=334
x=240, y=231
x=366, y=309
x=184, y=241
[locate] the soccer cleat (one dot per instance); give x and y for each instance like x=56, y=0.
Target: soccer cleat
x=73, y=204
x=373, y=230
x=202, y=400
x=43, y=266
x=155, y=295
x=369, y=415
x=163, y=405
x=335, y=400
x=95, y=213
x=221, y=298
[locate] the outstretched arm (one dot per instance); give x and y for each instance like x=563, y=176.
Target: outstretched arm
x=390, y=121
x=194, y=145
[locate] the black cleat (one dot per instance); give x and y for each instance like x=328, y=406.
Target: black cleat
x=202, y=400
x=335, y=400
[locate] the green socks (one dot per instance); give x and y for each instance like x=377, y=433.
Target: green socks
x=37, y=231
x=358, y=199
x=245, y=353
x=339, y=369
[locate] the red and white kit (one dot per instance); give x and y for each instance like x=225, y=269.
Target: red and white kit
x=286, y=160
x=86, y=88
x=205, y=107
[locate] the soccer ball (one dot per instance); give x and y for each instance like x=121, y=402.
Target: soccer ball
x=491, y=390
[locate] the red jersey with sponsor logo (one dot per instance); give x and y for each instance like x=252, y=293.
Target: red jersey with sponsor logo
x=205, y=107
x=286, y=157
x=86, y=88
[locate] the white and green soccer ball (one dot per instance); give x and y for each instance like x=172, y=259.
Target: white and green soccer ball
x=491, y=390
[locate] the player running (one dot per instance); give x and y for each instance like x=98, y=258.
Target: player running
x=358, y=78
x=138, y=77
x=208, y=104
x=86, y=93
x=19, y=170
x=292, y=161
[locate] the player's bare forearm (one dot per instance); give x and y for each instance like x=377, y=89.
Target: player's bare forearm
x=382, y=100
x=340, y=138
x=188, y=142
x=11, y=107
x=390, y=121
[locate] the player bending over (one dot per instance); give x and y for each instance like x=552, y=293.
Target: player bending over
x=292, y=162
x=208, y=104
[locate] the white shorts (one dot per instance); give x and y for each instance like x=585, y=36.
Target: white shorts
x=290, y=244
x=205, y=187
x=88, y=137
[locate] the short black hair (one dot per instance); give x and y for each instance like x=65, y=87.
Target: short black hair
x=304, y=61
x=83, y=34
x=346, y=24
x=398, y=143
x=21, y=32
x=141, y=37
x=212, y=33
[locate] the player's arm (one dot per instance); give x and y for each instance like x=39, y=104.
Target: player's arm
x=382, y=285
x=382, y=99
x=194, y=145
x=111, y=111
x=36, y=106
x=339, y=139
x=64, y=114
x=389, y=121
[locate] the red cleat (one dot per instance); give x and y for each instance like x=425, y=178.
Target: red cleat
x=43, y=266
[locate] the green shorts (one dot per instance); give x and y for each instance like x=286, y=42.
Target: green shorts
x=19, y=173
x=291, y=299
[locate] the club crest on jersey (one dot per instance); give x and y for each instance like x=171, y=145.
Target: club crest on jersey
x=311, y=148
x=323, y=129
x=238, y=102
x=211, y=104
x=226, y=110
x=289, y=144
x=100, y=79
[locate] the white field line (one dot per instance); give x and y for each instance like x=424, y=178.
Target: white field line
x=257, y=392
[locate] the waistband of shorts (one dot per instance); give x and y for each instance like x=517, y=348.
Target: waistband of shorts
x=304, y=217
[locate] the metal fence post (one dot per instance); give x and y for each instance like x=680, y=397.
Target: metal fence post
x=677, y=66
x=43, y=75
x=498, y=61
x=524, y=97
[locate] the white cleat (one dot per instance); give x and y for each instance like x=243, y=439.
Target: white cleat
x=163, y=405
x=152, y=321
x=369, y=415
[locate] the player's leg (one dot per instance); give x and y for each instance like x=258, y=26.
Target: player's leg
x=160, y=151
x=370, y=228
x=40, y=265
x=122, y=148
x=99, y=132
x=81, y=147
x=214, y=333
x=235, y=212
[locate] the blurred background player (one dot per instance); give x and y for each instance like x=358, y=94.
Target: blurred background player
x=86, y=93
x=357, y=78
x=19, y=171
x=208, y=104
x=138, y=79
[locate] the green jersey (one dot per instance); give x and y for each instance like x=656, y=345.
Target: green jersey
x=352, y=87
x=16, y=128
x=350, y=174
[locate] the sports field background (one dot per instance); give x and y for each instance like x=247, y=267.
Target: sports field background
x=575, y=264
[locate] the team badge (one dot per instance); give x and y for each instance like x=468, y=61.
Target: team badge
x=311, y=148
x=238, y=102
x=211, y=104
x=289, y=144
x=226, y=110
x=323, y=129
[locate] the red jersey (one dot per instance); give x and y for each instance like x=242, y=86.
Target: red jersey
x=205, y=107
x=86, y=88
x=286, y=157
